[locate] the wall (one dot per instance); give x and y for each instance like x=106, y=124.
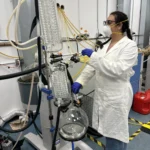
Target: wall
x=9, y=93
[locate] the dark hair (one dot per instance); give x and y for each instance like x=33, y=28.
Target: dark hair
x=119, y=17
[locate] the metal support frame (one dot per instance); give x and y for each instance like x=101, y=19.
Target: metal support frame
x=46, y=142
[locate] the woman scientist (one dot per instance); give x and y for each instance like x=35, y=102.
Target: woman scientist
x=112, y=67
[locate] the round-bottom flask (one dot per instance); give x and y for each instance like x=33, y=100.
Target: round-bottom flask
x=74, y=124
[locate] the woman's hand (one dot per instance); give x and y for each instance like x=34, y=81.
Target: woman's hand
x=76, y=87
x=87, y=52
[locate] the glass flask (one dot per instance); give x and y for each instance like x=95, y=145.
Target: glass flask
x=73, y=124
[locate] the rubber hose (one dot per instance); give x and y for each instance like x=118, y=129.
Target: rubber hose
x=94, y=132
x=14, y=75
x=56, y=129
x=69, y=77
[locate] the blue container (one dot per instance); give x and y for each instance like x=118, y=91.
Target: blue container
x=135, y=80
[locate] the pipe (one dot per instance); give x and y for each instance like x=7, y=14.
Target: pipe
x=14, y=75
x=56, y=129
x=74, y=39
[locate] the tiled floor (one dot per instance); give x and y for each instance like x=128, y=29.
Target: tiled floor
x=141, y=142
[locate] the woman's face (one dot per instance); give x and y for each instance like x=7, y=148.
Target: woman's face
x=111, y=22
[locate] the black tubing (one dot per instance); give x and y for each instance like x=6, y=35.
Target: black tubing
x=39, y=55
x=36, y=8
x=106, y=42
x=39, y=132
x=93, y=132
x=19, y=74
x=39, y=101
x=14, y=75
x=88, y=93
x=56, y=129
x=35, y=116
x=69, y=77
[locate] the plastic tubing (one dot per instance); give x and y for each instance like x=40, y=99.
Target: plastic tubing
x=14, y=75
x=7, y=31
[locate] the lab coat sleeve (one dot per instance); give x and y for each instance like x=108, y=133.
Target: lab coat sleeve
x=86, y=75
x=126, y=60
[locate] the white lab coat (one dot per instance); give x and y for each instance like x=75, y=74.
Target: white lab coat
x=113, y=91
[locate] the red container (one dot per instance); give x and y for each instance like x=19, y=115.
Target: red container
x=148, y=91
x=141, y=102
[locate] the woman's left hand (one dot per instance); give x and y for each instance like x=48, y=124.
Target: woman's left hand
x=87, y=52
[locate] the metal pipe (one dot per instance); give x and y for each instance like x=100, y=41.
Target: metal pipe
x=74, y=40
x=49, y=87
x=140, y=22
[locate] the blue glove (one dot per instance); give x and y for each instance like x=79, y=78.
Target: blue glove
x=76, y=87
x=87, y=52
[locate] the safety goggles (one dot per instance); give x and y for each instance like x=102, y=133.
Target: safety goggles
x=108, y=22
